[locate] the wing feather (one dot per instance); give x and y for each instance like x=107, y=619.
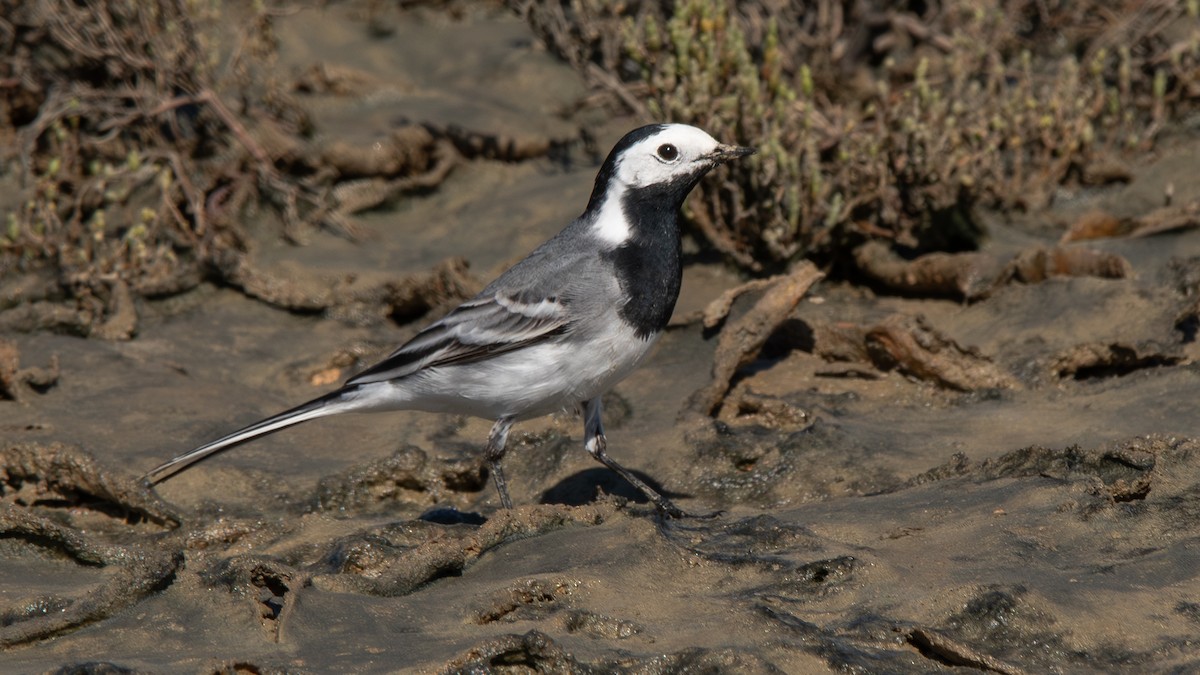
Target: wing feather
x=477, y=329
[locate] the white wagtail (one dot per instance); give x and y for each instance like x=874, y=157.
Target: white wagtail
x=558, y=329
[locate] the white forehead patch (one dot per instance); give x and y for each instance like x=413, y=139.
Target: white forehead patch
x=641, y=164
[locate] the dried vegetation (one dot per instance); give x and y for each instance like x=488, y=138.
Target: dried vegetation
x=120, y=143
x=888, y=121
x=138, y=135
x=135, y=138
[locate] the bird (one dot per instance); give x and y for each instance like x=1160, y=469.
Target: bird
x=558, y=329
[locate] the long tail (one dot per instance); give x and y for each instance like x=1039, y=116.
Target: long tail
x=318, y=407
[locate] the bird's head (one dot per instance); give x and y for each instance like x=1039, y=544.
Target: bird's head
x=662, y=155
x=665, y=153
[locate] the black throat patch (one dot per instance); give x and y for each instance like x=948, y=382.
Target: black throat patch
x=648, y=264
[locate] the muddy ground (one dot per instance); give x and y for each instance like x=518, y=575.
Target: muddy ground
x=874, y=519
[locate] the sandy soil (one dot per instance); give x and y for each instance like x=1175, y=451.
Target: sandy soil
x=871, y=521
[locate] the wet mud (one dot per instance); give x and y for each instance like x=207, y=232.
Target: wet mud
x=981, y=461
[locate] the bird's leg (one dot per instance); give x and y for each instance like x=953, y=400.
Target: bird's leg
x=596, y=445
x=497, y=438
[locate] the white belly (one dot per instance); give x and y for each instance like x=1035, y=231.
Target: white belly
x=528, y=382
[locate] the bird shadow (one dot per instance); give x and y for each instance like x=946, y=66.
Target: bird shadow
x=586, y=486
x=448, y=515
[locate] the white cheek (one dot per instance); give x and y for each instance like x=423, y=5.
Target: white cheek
x=649, y=172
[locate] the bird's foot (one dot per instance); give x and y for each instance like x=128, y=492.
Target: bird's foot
x=668, y=510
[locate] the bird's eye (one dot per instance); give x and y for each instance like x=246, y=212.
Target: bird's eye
x=668, y=152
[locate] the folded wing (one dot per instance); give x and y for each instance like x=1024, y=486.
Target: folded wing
x=477, y=329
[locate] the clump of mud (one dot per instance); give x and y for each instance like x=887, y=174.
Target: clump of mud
x=56, y=502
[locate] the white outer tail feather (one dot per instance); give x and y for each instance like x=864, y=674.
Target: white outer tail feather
x=319, y=407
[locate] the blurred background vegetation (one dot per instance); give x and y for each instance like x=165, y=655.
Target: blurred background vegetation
x=134, y=135
x=888, y=120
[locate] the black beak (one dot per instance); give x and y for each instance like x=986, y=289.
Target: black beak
x=725, y=153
